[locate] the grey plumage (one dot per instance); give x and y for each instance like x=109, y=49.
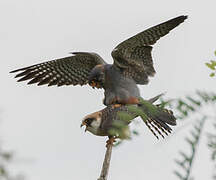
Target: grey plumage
x=132, y=65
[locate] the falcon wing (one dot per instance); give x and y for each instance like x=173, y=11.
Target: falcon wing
x=110, y=115
x=133, y=56
x=70, y=70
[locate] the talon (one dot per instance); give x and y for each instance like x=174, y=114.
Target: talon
x=116, y=106
x=110, y=141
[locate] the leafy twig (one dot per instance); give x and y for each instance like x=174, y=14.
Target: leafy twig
x=187, y=161
x=212, y=65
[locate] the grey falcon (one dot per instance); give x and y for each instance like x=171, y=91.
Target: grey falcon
x=132, y=65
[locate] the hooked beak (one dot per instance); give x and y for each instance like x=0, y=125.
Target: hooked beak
x=95, y=84
x=92, y=84
x=84, y=124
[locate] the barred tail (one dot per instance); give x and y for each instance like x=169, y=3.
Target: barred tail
x=157, y=119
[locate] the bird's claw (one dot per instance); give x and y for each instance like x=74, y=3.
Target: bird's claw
x=116, y=106
x=110, y=141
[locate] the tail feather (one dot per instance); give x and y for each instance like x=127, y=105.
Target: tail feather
x=152, y=100
x=158, y=119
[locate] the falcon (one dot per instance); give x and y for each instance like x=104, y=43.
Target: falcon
x=132, y=65
x=108, y=122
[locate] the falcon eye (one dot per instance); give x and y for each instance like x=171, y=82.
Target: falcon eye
x=88, y=121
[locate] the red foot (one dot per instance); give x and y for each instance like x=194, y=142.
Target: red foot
x=110, y=141
x=116, y=105
x=130, y=100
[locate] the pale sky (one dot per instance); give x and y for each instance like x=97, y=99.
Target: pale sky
x=41, y=124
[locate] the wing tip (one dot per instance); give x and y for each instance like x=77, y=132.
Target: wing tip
x=183, y=17
x=81, y=52
x=21, y=69
x=14, y=71
x=180, y=19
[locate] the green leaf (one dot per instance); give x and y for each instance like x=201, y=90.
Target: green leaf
x=215, y=53
x=204, y=96
x=179, y=175
x=118, y=143
x=186, y=157
x=213, y=63
x=137, y=111
x=194, y=134
x=122, y=115
x=119, y=124
x=213, y=157
x=211, y=66
x=2, y=171
x=113, y=132
x=198, y=103
x=7, y=156
x=144, y=117
x=190, y=141
x=212, y=75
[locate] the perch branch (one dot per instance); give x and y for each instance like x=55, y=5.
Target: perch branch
x=106, y=163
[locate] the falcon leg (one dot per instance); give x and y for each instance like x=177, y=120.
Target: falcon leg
x=116, y=105
x=130, y=100
x=110, y=141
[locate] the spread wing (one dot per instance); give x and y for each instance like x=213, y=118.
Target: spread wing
x=70, y=70
x=133, y=56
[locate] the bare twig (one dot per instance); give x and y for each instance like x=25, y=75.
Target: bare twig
x=106, y=163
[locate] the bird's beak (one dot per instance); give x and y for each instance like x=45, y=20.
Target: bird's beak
x=84, y=124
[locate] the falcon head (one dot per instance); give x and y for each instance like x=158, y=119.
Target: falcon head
x=100, y=124
x=97, y=76
x=93, y=123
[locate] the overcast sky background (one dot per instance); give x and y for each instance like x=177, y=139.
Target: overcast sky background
x=41, y=124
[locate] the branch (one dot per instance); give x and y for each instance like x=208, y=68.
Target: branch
x=106, y=163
